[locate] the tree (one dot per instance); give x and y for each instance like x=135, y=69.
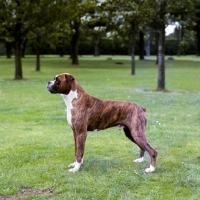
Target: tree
x=128, y=15
x=97, y=26
x=186, y=13
x=197, y=25
x=44, y=29
x=160, y=12
x=17, y=19
x=161, y=47
x=141, y=45
x=12, y=15
x=75, y=25
x=71, y=12
x=156, y=12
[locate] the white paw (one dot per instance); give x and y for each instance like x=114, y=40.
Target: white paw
x=150, y=169
x=71, y=165
x=139, y=160
x=76, y=166
x=73, y=169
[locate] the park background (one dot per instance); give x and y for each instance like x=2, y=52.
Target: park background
x=115, y=56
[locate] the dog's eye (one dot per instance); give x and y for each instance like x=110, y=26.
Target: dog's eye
x=57, y=80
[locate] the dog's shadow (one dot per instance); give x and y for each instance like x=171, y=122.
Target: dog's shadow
x=101, y=164
x=111, y=164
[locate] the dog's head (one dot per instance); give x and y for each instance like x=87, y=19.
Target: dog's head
x=61, y=84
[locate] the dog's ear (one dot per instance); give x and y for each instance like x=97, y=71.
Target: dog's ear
x=69, y=79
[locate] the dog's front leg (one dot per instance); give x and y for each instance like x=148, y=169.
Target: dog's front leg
x=72, y=165
x=79, y=151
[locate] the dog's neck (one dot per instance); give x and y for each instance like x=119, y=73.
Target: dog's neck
x=75, y=86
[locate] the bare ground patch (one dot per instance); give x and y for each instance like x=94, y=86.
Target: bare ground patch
x=25, y=192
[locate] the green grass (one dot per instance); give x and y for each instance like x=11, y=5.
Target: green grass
x=36, y=143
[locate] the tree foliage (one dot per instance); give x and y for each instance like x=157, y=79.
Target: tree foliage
x=160, y=12
x=18, y=18
x=126, y=18
x=71, y=13
x=60, y=20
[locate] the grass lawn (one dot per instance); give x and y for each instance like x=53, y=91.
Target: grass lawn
x=36, y=143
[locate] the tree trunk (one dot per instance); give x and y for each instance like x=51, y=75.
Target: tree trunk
x=161, y=59
x=18, y=62
x=133, y=48
x=38, y=53
x=157, y=37
x=74, y=43
x=141, y=46
x=61, y=52
x=198, y=37
x=147, y=45
x=9, y=46
x=60, y=46
x=17, y=43
x=24, y=48
x=96, y=45
x=180, y=38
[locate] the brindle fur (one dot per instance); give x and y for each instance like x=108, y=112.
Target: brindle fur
x=90, y=113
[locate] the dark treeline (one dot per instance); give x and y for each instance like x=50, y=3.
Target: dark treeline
x=105, y=48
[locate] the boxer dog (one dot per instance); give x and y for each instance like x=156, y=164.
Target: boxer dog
x=87, y=113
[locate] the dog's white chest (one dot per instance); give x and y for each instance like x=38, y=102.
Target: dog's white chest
x=68, y=101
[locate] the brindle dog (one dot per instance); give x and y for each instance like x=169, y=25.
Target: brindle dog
x=87, y=113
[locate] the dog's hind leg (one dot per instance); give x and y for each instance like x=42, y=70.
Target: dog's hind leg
x=142, y=151
x=141, y=158
x=139, y=136
x=143, y=144
x=153, y=154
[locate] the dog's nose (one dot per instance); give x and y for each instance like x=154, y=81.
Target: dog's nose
x=49, y=83
x=47, y=86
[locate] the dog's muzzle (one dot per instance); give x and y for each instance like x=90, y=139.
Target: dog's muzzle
x=51, y=87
